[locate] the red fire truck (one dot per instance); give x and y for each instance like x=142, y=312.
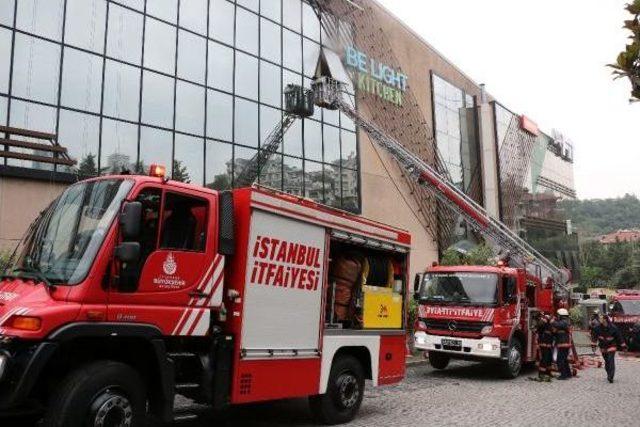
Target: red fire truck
x=130, y=289
x=625, y=312
x=481, y=313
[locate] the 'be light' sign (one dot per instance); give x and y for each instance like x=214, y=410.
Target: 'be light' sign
x=377, y=78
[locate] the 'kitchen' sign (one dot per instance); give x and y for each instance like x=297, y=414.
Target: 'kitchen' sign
x=377, y=78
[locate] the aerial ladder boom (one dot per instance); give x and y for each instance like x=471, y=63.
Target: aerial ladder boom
x=328, y=93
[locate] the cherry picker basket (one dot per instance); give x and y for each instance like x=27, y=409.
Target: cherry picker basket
x=299, y=101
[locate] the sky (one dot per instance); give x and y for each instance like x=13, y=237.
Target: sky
x=547, y=59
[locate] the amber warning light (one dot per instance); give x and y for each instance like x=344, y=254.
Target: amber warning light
x=157, y=170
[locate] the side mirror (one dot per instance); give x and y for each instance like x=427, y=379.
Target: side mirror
x=130, y=219
x=128, y=252
x=417, y=281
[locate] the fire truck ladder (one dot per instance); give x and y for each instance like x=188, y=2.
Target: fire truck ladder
x=298, y=104
x=329, y=94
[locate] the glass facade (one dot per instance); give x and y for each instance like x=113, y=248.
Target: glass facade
x=455, y=125
x=193, y=84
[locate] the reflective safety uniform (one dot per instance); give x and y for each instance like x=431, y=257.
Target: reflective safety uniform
x=609, y=338
x=545, y=343
x=562, y=338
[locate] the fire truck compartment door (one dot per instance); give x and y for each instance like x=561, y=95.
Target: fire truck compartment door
x=283, y=287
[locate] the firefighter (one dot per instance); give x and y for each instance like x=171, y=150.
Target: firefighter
x=562, y=337
x=609, y=338
x=594, y=322
x=545, y=343
x=634, y=338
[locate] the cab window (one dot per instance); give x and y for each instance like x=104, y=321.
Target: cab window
x=184, y=222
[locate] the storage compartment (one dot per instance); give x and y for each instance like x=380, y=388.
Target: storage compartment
x=366, y=287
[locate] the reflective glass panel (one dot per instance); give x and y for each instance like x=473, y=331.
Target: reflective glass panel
x=272, y=9
x=5, y=52
x=40, y=82
x=293, y=140
x=246, y=123
x=331, y=144
x=314, y=181
x=269, y=119
x=270, y=43
x=164, y=9
x=124, y=41
x=332, y=185
x=121, y=91
x=271, y=172
x=81, y=80
x=119, y=147
x=79, y=133
x=220, y=67
x=349, y=150
x=192, y=51
x=246, y=76
x=157, y=100
x=193, y=15
x=190, y=108
x=292, y=50
x=313, y=140
x=160, y=46
x=270, y=89
x=292, y=14
x=293, y=177
x=188, y=162
x=219, y=115
x=218, y=172
x=27, y=115
x=6, y=13
x=41, y=17
x=311, y=53
x=247, y=31
x=155, y=148
x=250, y=4
x=242, y=157
x=310, y=22
x=221, y=20
x=86, y=24
x=350, y=196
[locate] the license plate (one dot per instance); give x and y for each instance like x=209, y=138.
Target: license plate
x=451, y=343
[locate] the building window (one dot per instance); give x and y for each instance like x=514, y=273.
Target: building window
x=194, y=84
x=455, y=126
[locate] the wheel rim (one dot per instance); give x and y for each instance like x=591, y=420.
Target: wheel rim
x=111, y=409
x=514, y=360
x=348, y=390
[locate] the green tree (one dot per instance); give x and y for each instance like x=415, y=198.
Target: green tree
x=220, y=182
x=180, y=172
x=452, y=257
x=626, y=278
x=628, y=61
x=88, y=166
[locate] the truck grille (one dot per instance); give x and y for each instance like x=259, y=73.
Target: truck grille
x=455, y=325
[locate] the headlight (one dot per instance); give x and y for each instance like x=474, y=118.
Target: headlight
x=486, y=330
x=420, y=339
x=3, y=365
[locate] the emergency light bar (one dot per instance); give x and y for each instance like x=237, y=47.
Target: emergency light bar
x=158, y=171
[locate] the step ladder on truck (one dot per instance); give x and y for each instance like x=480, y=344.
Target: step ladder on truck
x=472, y=312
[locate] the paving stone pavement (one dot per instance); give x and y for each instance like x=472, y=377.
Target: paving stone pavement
x=467, y=394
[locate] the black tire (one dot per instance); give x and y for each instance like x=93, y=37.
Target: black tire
x=439, y=360
x=345, y=390
x=107, y=390
x=512, y=366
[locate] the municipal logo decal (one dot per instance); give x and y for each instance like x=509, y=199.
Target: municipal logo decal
x=169, y=266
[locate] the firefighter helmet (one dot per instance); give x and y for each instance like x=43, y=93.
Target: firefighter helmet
x=563, y=312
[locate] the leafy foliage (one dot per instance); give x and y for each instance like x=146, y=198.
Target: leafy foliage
x=88, y=166
x=628, y=61
x=480, y=255
x=180, y=172
x=4, y=260
x=602, y=216
x=616, y=265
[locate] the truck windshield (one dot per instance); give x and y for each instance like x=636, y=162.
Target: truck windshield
x=62, y=243
x=460, y=288
x=630, y=307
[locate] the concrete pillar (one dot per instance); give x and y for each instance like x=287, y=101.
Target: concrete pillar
x=489, y=158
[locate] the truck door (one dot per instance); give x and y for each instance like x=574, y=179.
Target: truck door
x=178, y=277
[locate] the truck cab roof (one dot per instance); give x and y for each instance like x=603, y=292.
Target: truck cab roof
x=487, y=269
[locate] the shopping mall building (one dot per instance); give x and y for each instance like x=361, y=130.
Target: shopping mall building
x=197, y=85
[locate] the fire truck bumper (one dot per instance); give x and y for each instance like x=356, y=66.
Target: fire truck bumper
x=488, y=347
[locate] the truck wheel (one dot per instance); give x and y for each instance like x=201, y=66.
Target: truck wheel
x=103, y=393
x=439, y=360
x=512, y=366
x=345, y=391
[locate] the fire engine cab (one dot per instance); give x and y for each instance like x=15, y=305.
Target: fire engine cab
x=481, y=313
x=130, y=289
